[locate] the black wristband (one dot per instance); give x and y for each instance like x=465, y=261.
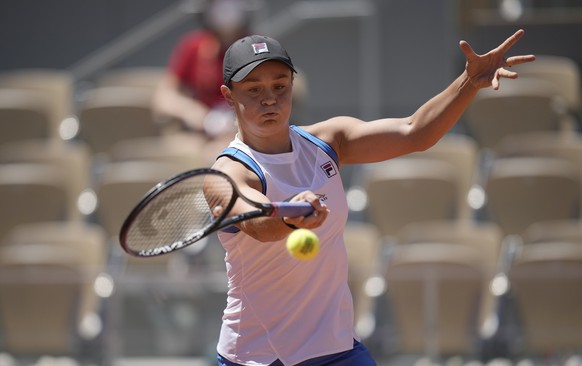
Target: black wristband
x=289, y=225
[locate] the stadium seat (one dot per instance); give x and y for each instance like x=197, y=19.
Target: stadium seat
x=461, y=151
x=563, y=72
x=122, y=185
x=524, y=190
x=405, y=190
x=546, y=282
x=522, y=106
x=23, y=115
x=30, y=193
x=85, y=244
x=55, y=87
x=182, y=149
x=113, y=114
x=39, y=297
x=562, y=145
x=434, y=291
x=364, y=247
x=141, y=77
x=71, y=159
x=485, y=237
x=558, y=230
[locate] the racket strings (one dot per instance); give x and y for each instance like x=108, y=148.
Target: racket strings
x=180, y=212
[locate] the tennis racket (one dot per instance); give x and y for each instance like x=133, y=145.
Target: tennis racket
x=180, y=211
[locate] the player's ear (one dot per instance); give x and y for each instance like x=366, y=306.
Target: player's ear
x=227, y=94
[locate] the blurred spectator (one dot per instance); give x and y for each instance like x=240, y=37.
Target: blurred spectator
x=189, y=92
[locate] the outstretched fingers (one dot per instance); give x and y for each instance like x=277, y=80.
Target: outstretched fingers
x=468, y=51
x=516, y=60
x=510, y=41
x=487, y=69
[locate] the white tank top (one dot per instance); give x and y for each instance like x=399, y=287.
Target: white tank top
x=279, y=307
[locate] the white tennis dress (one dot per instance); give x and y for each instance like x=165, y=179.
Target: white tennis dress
x=279, y=307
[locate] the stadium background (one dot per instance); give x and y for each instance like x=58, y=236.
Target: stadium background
x=366, y=58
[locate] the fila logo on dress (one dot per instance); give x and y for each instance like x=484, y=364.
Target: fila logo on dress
x=328, y=169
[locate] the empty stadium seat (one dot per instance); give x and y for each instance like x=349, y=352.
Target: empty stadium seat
x=39, y=296
x=113, y=114
x=364, y=247
x=142, y=77
x=86, y=248
x=564, y=145
x=485, y=237
x=524, y=190
x=434, y=291
x=55, y=87
x=561, y=71
x=182, y=149
x=23, y=115
x=30, y=193
x=557, y=230
x=546, y=282
x=123, y=184
x=522, y=106
x=461, y=151
x=71, y=159
x=405, y=190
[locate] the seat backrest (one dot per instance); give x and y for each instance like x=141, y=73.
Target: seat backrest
x=39, y=295
x=524, y=190
x=142, y=77
x=113, y=114
x=405, y=190
x=86, y=245
x=30, y=193
x=461, y=152
x=561, y=71
x=55, y=86
x=121, y=187
x=525, y=106
x=557, y=230
x=485, y=237
x=549, y=144
x=72, y=159
x=362, y=241
x=186, y=150
x=23, y=115
x=546, y=280
x=434, y=290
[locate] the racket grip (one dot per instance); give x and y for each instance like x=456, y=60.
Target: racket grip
x=291, y=209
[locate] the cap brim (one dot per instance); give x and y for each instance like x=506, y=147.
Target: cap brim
x=246, y=70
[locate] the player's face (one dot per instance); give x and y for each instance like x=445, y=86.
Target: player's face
x=263, y=99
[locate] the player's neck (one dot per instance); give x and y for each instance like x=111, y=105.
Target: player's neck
x=269, y=144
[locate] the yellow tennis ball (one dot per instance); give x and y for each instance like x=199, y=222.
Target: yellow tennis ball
x=303, y=244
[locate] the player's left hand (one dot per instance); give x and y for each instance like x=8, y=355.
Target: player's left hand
x=316, y=218
x=487, y=69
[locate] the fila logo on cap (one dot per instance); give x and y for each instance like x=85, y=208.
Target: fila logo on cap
x=260, y=48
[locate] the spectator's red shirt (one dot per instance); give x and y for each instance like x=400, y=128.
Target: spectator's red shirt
x=197, y=62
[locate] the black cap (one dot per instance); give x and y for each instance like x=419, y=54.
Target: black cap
x=249, y=52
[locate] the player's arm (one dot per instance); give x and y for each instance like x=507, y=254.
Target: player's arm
x=363, y=142
x=267, y=228
x=358, y=142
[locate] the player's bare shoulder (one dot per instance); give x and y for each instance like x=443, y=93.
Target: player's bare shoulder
x=238, y=172
x=334, y=130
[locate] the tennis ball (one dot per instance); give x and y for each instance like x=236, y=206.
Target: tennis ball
x=303, y=244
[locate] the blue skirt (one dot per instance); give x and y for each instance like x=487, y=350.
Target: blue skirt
x=357, y=356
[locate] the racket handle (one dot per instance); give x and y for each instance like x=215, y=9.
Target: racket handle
x=291, y=209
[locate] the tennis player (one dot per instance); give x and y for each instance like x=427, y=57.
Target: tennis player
x=280, y=310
